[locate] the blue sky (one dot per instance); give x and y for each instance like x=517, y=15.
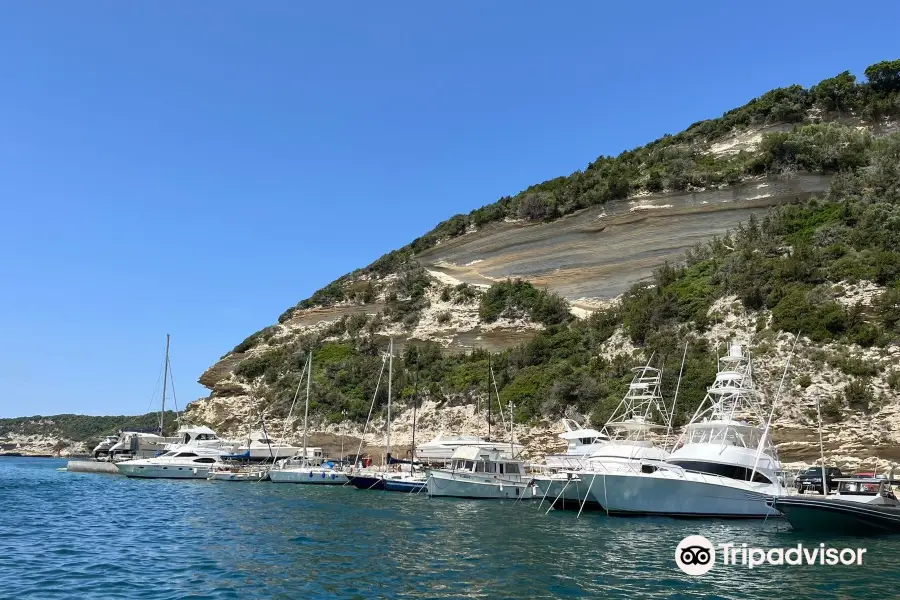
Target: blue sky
x=196, y=168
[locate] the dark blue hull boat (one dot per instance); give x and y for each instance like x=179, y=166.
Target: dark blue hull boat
x=407, y=486
x=365, y=482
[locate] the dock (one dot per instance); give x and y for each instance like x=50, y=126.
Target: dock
x=90, y=466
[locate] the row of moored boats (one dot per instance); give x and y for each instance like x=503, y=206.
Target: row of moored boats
x=723, y=463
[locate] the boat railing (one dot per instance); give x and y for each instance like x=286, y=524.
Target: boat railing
x=647, y=466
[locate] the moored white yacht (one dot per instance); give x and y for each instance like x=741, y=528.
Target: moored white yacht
x=200, y=436
x=262, y=448
x=625, y=444
x=186, y=463
x=723, y=467
x=580, y=443
x=481, y=473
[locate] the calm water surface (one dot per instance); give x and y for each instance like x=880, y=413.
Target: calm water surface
x=68, y=535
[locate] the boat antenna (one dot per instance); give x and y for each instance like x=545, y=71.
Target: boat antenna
x=499, y=404
x=512, y=429
x=162, y=408
x=675, y=399
x=762, y=440
x=821, y=446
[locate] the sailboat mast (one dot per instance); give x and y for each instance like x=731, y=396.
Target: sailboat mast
x=512, y=431
x=415, y=402
x=306, y=409
x=387, y=445
x=489, y=396
x=162, y=408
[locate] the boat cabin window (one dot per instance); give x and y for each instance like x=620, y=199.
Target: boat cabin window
x=205, y=436
x=185, y=454
x=205, y=460
x=482, y=466
x=858, y=488
x=748, y=437
x=730, y=471
x=511, y=468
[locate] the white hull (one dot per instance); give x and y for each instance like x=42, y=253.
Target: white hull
x=311, y=476
x=681, y=494
x=570, y=492
x=260, y=475
x=266, y=454
x=163, y=471
x=571, y=462
x=468, y=485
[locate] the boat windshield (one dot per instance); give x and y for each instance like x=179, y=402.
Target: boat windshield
x=859, y=488
x=734, y=435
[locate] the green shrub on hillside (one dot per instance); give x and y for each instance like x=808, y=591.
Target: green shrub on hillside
x=516, y=299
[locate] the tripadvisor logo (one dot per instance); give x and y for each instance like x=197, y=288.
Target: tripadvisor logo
x=696, y=555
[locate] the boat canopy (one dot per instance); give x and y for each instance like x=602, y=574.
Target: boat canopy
x=475, y=453
x=581, y=433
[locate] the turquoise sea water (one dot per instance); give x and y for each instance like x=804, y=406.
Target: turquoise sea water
x=68, y=535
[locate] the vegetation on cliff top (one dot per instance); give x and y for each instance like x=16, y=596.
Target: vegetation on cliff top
x=681, y=162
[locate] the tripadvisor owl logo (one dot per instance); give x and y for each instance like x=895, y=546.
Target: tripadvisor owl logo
x=695, y=555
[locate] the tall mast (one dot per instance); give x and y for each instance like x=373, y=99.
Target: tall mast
x=489, y=396
x=162, y=408
x=512, y=432
x=415, y=402
x=306, y=410
x=387, y=445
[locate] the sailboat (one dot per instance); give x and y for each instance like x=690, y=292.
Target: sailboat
x=374, y=480
x=133, y=444
x=305, y=468
x=410, y=482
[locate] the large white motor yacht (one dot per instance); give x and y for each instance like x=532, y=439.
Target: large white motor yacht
x=185, y=463
x=481, y=473
x=723, y=466
x=201, y=437
x=626, y=442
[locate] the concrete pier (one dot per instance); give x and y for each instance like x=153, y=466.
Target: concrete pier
x=89, y=466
